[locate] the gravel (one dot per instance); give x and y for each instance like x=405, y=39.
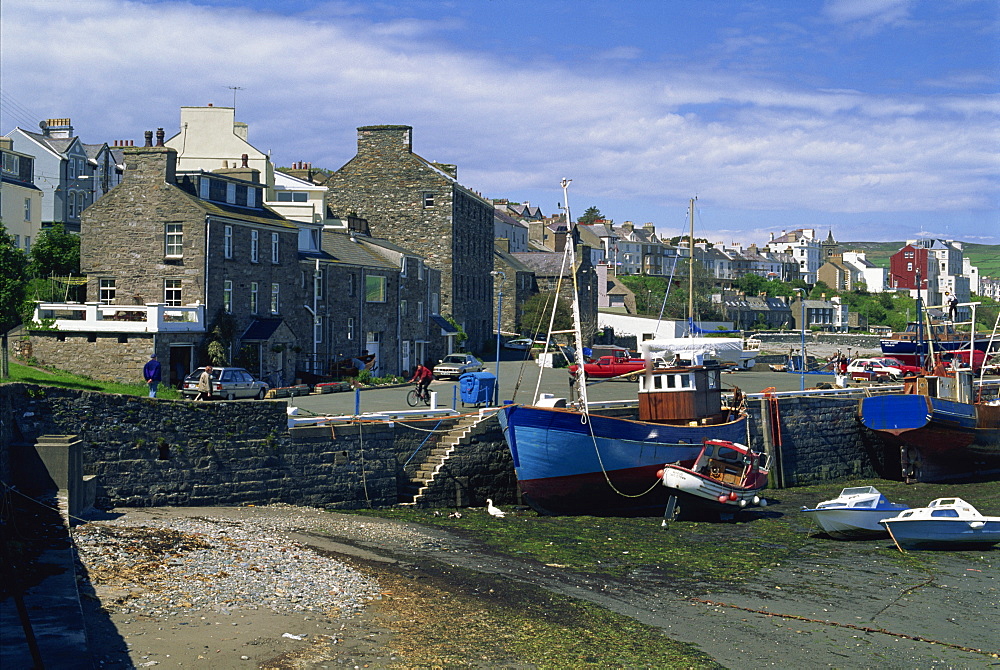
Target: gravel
x=163, y=567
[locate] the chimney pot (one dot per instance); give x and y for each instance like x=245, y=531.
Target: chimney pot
x=159, y=137
x=246, y=160
x=209, y=104
x=149, y=138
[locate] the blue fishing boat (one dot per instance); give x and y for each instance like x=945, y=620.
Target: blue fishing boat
x=573, y=462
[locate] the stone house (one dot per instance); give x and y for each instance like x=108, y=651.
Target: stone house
x=547, y=267
x=421, y=206
x=169, y=256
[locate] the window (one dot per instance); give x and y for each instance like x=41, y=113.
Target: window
x=320, y=283
x=108, y=290
x=17, y=241
x=420, y=269
x=402, y=266
x=71, y=166
x=27, y=243
x=174, y=245
x=350, y=285
x=428, y=199
x=227, y=296
x=231, y=193
x=254, y=290
x=350, y=329
x=240, y=195
x=254, y=246
x=203, y=188
x=172, y=292
x=274, y=247
x=292, y=196
x=318, y=329
x=252, y=196
x=374, y=288
x=217, y=190
x=402, y=310
x=909, y=267
x=434, y=303
x=27, y=209
x=275, y=298
x=227, y=242
x=11, y=163
x=71, y=201
x=420, y=312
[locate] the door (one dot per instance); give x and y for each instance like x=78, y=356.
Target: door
x=372, y=345
x=179, y=363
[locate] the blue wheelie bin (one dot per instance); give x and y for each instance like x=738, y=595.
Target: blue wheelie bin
x=477, y=387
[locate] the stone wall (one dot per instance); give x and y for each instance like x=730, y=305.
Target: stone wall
x=151, y=452
x=116, y=357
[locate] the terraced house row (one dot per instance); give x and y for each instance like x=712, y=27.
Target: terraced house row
x=204, y=242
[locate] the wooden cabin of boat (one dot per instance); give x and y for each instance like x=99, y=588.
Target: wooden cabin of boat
x=938, y=332
x=955, y=386
x=682, y=395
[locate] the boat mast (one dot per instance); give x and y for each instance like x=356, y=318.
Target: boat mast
x=691, y=269
x=581, y=376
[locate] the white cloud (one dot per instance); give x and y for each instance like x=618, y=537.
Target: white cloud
x=309, y=81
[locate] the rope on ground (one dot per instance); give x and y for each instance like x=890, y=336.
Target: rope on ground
x=851, y=626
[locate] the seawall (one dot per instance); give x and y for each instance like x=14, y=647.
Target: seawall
x=153, y=452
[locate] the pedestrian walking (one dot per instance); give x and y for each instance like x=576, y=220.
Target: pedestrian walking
x=205, y=384
x=152, y=373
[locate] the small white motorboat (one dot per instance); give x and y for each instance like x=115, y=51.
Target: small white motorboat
x=946, y=523
x=855, y=514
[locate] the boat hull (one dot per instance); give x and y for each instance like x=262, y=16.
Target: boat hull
x=705, y=494
x=943, y=533
x=945, y=440
x=606, y=466
x=851, y=524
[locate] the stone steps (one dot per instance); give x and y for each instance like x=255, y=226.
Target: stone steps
x=413, y=491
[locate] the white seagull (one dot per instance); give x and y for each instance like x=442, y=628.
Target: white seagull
x=494, y=511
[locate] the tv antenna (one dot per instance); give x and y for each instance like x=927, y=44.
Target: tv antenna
x=234, y=89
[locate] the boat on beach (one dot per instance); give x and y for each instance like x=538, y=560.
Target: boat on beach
x=946, y=523
x=571, y=460
x=726, y=478
x=854, y=514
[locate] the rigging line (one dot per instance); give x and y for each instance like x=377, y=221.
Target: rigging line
x=607, y=478
x=361, y=450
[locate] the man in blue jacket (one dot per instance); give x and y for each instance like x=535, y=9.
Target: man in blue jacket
x=151, y=373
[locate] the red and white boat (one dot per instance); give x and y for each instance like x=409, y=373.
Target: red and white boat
x=726, y=478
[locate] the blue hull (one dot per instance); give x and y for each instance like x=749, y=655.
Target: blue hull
x=950, y=441
x=605, y=467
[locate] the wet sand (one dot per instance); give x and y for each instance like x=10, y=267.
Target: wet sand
x=839, y=604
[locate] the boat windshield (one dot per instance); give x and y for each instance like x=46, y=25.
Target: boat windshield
x=945, y=512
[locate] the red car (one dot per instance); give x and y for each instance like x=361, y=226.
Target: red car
x=606, y=367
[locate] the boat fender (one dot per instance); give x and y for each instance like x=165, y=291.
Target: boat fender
x=976, y=524
x=763, y=502
x=732, y=496
x=757, y=501
x=723, y=498
x=743, y=503
x=659, y=474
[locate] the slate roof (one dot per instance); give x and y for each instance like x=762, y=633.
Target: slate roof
x=512, y=262
x=340, y=247
x=58, y=145
x=541, y=263
x=443, y=324
x=261, y=329
x=264, y=215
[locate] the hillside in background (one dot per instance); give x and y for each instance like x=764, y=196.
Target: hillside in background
x=984, y=256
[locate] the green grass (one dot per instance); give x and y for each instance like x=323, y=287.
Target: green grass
x=53, y=377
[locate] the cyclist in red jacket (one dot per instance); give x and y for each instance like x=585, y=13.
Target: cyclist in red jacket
x=422, y=376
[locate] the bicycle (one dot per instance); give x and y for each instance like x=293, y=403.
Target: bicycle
x=414, y=397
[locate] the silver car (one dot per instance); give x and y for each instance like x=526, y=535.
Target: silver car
x=456, y=365
x=228, y=383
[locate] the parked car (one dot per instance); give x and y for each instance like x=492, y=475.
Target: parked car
x=607, y=367
x=521, y=344
x=456, y=365
x=879, y=368
x=228, y=383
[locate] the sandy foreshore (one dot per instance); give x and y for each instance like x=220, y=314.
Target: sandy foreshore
x=839, y=607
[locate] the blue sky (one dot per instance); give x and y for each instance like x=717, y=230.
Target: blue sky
x=877, y=119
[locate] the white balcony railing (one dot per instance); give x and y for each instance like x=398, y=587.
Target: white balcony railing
x=96, y=317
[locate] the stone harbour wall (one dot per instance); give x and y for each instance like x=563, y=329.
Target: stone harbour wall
x=153, y=452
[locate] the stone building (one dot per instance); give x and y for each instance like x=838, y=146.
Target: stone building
x=547, y=267
x=421, y=206
x=170, y=256
x=518, y=285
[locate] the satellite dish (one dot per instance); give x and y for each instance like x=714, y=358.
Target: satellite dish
x=43, y=125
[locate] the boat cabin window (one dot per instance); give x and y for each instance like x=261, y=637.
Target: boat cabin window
x=685, y=381
x=864, y=503
x=945, y=512
x=728, y=454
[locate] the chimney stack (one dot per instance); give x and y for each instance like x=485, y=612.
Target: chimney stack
x=149, y=138
x=159, y=137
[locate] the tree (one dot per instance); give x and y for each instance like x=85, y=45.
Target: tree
x=55, y=252
x=13, y=272
x=537, y=312
x=590, y=215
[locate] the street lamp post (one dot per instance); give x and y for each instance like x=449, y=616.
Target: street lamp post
x=802, y=351
x=503, y=277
